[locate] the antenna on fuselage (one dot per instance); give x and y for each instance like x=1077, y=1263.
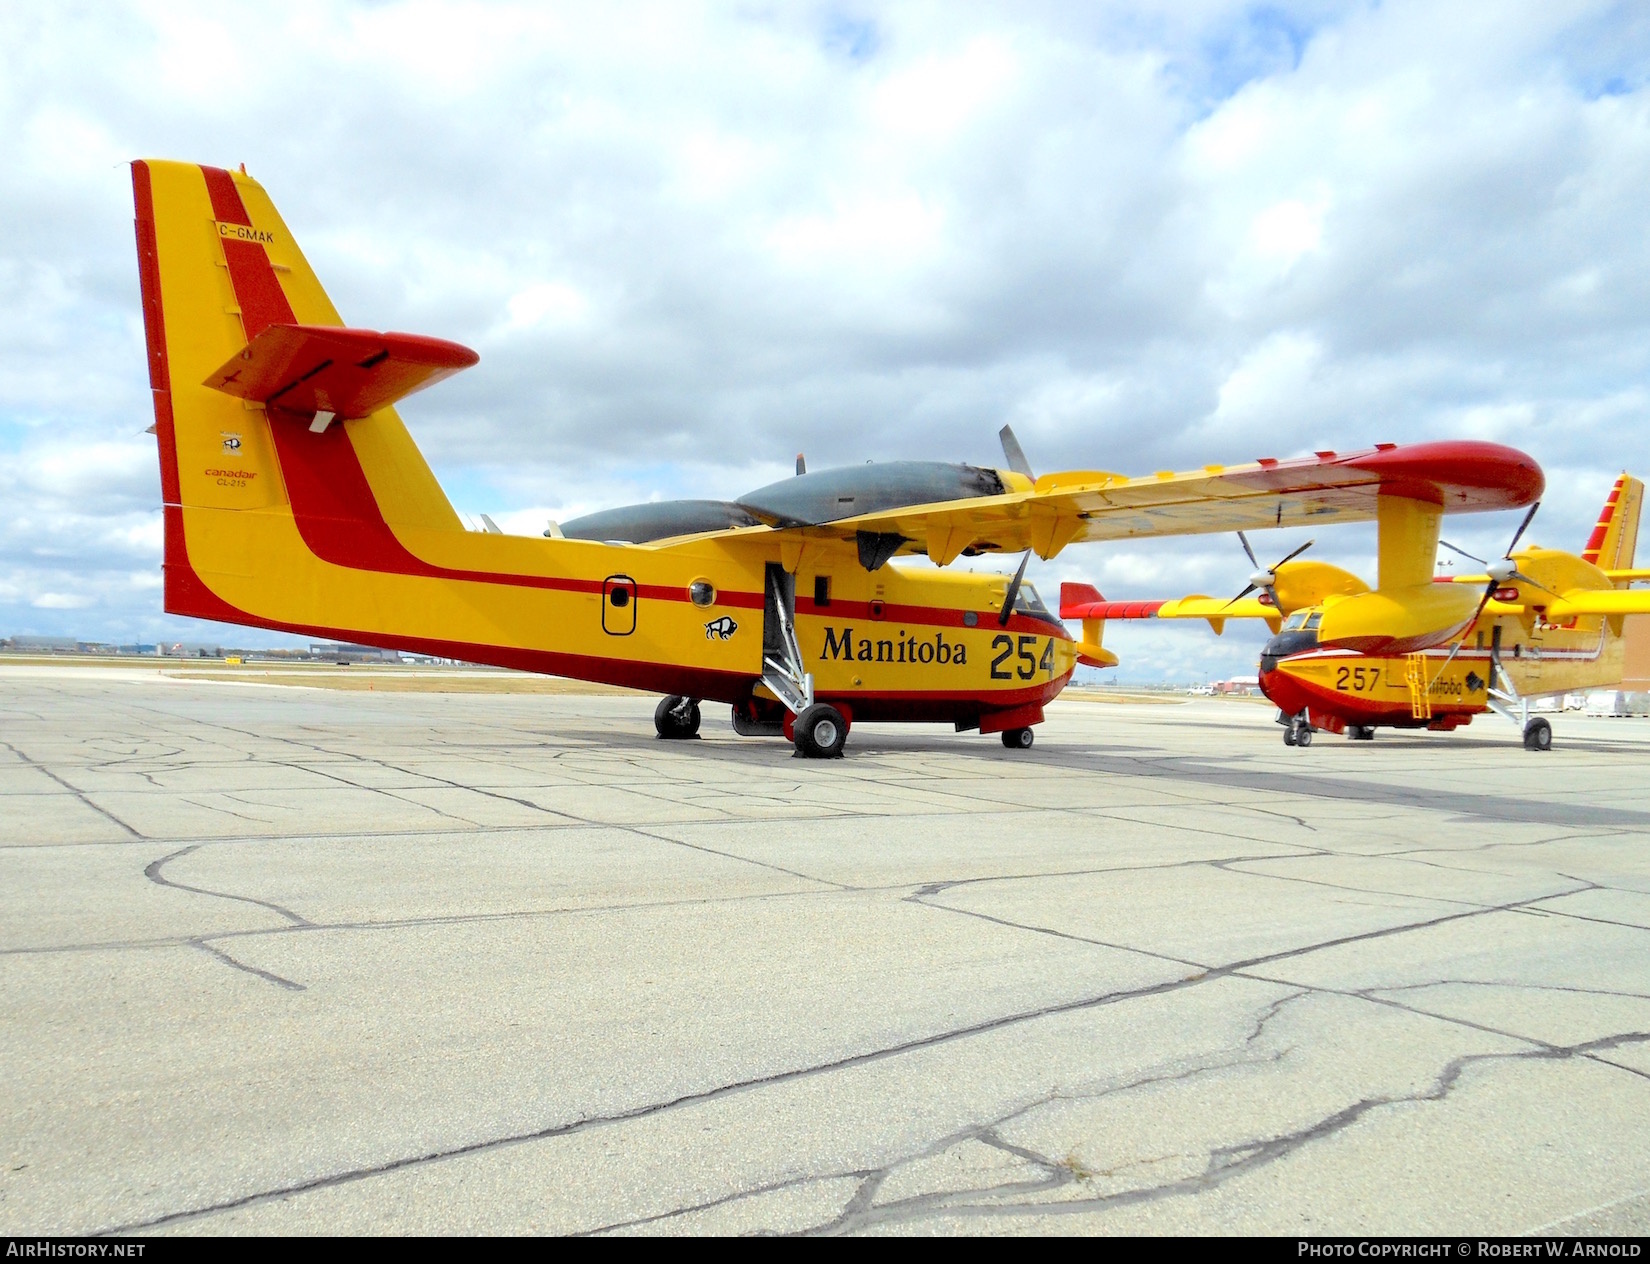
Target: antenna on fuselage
x=801, y=464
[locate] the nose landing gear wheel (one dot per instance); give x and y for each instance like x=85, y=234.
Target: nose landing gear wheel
x=1018, y=739
x=1538, y=735
x=1289, y=735
x=820, y=732
x=1303, y=733
x=676, y=717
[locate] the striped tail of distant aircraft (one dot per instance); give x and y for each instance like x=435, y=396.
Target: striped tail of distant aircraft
x=295, y=499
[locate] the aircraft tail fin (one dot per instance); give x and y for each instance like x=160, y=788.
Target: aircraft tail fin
x=250, y=365
x=1615, y=538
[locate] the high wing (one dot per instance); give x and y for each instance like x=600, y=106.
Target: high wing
x=1611, y=603
x=1059, y=509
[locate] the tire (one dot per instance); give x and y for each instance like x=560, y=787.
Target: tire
x=676, y=717
x=1361, y=733
x=820, y=732
x=1289, y=735
x=1538, y=735
x=1018, y=739
x=1303, y=734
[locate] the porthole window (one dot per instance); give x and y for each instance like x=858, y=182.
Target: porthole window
x=701, y=592
x=620, y=597
x=970, y=619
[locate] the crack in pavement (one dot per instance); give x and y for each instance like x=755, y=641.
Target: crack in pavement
x=866, y=1058
x=1224, y=1162
x=154, y=874
x=76, y=792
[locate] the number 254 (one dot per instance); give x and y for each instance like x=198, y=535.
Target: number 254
x=1024, y=650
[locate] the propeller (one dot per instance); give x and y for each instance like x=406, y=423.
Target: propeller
x=1013, y=593
x=1266, y=579
x=1504, y=569
x=1499, y=572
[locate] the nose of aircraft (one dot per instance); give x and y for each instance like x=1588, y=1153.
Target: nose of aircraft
x=1283, y=645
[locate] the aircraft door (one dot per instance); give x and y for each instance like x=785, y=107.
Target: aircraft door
x=778, y=609
x=618, y=605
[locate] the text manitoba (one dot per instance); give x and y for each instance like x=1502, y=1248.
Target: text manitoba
x=903, y=649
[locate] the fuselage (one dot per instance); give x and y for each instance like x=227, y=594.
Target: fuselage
x=1339, y=688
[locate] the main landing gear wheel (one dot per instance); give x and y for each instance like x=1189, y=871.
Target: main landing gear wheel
x=820, y=732
x=1361, y=733
x=1538, y=735
x=676, y=717
x=1018, y=739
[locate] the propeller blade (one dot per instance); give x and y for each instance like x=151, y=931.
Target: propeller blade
x=801, y=464
x=1014, y=454
x=1013, y=593
x=1519, y=534
x=1242, y=595
x=1525, y=579
x=1253, y=560
x=1473, y=557
x=1291, y=557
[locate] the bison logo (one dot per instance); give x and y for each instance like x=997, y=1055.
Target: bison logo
x=723, y=628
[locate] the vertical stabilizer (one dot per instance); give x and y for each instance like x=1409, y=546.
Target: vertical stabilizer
x=1615, y=539
x=218, y=267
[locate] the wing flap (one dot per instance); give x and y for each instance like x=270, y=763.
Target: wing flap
x=346, y=372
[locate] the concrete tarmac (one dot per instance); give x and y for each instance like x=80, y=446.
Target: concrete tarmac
x=287, y=960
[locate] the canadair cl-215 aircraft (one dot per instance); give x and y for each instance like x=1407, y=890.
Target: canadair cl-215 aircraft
x=295, y=499
x=1422, y=651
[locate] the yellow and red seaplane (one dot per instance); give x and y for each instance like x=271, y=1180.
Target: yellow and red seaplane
x=1420, y=651
x=294, y=498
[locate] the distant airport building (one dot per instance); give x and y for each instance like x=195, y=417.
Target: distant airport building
x=44, y=644
x=353, y=653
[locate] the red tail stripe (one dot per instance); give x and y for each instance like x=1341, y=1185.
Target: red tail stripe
x=1595, y=542
x=227, y=206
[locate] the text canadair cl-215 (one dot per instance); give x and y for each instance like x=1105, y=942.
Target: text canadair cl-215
x=294, y=498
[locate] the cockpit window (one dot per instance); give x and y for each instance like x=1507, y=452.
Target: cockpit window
x=1312, y=621
x=1026, y=601
x=1295, y=622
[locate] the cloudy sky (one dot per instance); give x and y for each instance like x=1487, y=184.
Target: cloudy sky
x=691, y=241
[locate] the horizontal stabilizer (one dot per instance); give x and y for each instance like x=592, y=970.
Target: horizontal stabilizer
x=346, y=372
